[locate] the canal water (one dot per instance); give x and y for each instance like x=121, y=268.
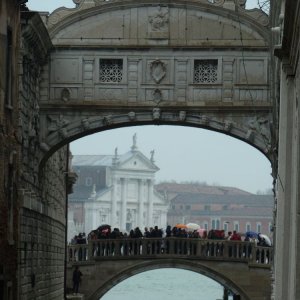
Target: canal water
x=166, y=284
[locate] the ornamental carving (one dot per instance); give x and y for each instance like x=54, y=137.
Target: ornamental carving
x=158, y=70
x=57, y=123
x=182, y=115
x=131, y=116
x=65, y=94
x=160, y=19
x=157, y=95
x=156, y=113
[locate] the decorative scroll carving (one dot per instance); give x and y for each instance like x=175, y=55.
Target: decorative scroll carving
x=158, y=70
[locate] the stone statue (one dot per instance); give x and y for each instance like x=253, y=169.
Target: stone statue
x=134, y=138
x=152, y=155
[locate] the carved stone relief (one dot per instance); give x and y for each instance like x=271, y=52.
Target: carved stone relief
x=160, y=19
x=158, y=70
x=182, y=115
x=57, y=123
x=156, y=113
x=157, y=95
x=85, y=124
x=65, y=94
x=131, y=116
x=159, y=23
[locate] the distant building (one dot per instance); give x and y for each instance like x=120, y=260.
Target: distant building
x=218, y=207
x=117, y=190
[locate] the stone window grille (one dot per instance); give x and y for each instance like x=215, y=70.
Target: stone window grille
x=205, y=71
x=111, y=70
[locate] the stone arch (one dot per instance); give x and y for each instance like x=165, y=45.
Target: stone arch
x=78, y=103
x=170, y=263
x=69, y=132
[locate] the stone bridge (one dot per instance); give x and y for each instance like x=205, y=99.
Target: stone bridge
x=122, y=63
x=241, y=267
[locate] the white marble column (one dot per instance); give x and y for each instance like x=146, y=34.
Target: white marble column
x=124, y=203
x=150, y=203
x=113, y=203
x=141, y=204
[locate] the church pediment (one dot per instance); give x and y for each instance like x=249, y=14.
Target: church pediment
x=133, y=23
x=136, y=161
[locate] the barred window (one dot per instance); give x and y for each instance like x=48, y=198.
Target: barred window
x=111, y=70
x=205, y=70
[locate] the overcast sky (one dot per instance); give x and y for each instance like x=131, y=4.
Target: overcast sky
x=181, y=153
x=50, y=5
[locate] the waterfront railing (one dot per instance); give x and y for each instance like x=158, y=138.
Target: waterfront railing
x=190, y=248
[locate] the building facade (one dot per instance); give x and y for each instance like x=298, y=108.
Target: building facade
x=9, y=147
x=117, y=190
x=286, y=90
x=217, y=207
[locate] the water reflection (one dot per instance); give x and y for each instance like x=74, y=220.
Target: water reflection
x=166, y=284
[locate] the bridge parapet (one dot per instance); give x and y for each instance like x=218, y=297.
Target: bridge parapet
x=188, y=248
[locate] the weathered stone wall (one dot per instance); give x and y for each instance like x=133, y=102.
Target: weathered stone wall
x=286, y=36
x=9, y=148
x=42, y=191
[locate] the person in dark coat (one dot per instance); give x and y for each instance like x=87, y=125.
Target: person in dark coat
x=76, y=279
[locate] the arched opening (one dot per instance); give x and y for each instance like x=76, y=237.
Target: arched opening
x=163, y=283
x=185, y=150
x=174, y=279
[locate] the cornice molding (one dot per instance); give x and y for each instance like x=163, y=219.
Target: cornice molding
x=36, y=35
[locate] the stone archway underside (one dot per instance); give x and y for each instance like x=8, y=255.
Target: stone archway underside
x=123, y=63
x=99, y=278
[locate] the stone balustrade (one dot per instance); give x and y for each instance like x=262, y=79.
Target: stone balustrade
x=188, y=248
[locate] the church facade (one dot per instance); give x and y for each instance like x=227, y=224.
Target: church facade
x=117, y=190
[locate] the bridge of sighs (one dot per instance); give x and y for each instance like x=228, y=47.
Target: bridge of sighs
x=197, y=63
x=194, y=63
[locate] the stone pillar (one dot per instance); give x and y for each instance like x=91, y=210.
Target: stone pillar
x=286, y=219
x=124, y=203
x=133, y=79
x=113, y=203
x=150, y=202
x=228, y=79
x=88, y=71
x=141, y=204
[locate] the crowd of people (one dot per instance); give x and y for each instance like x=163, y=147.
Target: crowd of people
x=105, y=232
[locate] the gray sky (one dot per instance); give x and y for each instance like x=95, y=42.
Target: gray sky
x=181, y=153
x=50, y=5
